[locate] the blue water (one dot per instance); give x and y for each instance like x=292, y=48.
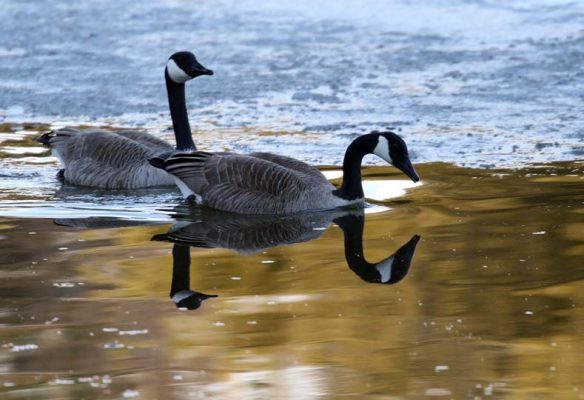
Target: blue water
x=478, y=83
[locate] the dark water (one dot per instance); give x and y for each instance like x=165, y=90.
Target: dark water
x=490, y=307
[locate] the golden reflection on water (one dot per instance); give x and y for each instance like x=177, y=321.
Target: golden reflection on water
x=491, y=306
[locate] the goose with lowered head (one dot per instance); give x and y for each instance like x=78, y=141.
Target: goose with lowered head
x=265, y=183
x=119, y=160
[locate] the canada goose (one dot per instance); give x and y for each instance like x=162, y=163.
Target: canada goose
x=248, y=234
x=118, y=160
x=264, y=183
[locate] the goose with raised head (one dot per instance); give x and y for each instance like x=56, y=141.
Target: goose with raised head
x=119, y=160
x=264, y=183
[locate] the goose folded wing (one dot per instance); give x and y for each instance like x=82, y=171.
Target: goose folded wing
x=100, y=147
x=236, y=182
x=307, y=170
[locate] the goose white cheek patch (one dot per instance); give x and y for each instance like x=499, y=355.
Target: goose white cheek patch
x=382, y=149
x=176, y=73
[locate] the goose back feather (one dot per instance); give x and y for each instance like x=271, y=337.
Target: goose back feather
x=308, y=171
x=248, y=184
x=108, y=160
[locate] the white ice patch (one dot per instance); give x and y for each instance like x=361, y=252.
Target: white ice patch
x=176, y=73
x=384, y=269
x=382, y=149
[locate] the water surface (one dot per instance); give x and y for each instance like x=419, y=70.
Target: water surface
x=127, y=294
x=490, y=307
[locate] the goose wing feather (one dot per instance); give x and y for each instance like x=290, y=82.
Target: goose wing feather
x=71, y=144
x=307, y=170
x=147, y=140
x=242, y=183
x=106, y=160
x=106, y=147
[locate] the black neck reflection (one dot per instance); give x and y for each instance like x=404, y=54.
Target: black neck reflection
x=180, y=288
x=390, y=270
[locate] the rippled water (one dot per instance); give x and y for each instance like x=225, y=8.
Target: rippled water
x=119, y=306
x=474, y=82
x=466, y=285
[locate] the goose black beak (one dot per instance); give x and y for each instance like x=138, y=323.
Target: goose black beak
x=402, y=259
x=197, y=69
x=406, y=252
x=45, y=138
x=409, y=170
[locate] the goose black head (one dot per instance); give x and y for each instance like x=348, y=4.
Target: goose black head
x=393, y=149
x=183, y=66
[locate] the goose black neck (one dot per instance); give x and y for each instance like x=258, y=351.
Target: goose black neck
x=181, y=262
x=178, y=112
x=352, y=188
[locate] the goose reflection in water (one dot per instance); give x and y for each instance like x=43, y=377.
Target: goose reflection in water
x=180, y=290
x=251, y=234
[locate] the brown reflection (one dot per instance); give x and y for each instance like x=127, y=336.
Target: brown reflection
x=251, y=234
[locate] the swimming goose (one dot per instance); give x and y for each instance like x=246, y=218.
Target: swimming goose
x=264, y=183
x=119, y=160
